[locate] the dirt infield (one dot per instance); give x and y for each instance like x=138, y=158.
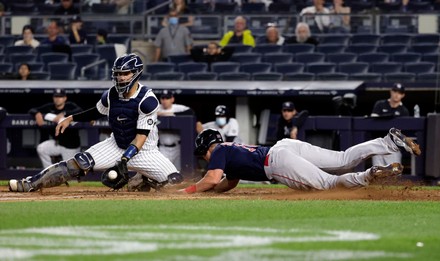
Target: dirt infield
x=376, y=192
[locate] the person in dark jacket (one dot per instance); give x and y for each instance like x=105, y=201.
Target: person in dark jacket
x=212, y=53
x=290, y=121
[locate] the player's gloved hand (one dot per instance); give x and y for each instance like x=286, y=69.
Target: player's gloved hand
x=122, y=168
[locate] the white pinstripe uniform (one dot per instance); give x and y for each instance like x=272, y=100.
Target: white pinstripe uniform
x=149, y=161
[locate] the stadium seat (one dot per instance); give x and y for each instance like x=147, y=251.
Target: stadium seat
x=299, y=77
x=373, y=39
x=353, y=68
x=361, y=48
x=169, y=76
x=189, y=67
x=335, y=76
x=62, y=70
x=298, y=48
x=279, y=7
x=145, y=76
x=330, y=48
x=426, y=39
x=275, y=58
x=179, y=58
x=318, y=68
x=81, y=48
x=419, y=67
x=267, y=48
x=401, y=39
x=200, y=8
x=341, y=57
x=107, y=52
x=225, y=8
x=433, y=58
x=253, y=8
x=241, y=48
x=377, y=57
x=399, y=77
x=159, y=67
x=44, y=76
x=368, y=77
x=7, y=40
x=425, y=48
x=19, y=49
x=408, y=57
x=6, y=67
x=234, y=76
x=341, y=39
x=393, y=48
x=419, y=6
x=204, y=76
x=33, y=66
x=221, y=67
x=309, y=57
x=429, y=77
x=18, y=58
x=246, y=57
x=269, y=76
x=99, y=8
x=84, y=59
x=289, y=67
x=42, y=48
x=387, y=67
x=255, y=67
x=51, y=57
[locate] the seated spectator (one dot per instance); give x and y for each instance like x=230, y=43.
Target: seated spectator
x=101, y=36
x=66, y=8
x=212, y=53
x=77, y=35
x=290, y=121
x=302, y=35
x=321, y=22
x=182, y=9
x=272, y=36
x=28, y=37
x=122, y=6
x=53, y=35
x=339, y=23
x=240, y=35
x=24, y=72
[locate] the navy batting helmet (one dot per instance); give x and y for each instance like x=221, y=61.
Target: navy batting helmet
x=123, y=64
x=205, y=139
x=221, y=110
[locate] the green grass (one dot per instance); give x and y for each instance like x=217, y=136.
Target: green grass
x=176, y=229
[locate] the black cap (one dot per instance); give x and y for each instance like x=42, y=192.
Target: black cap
x=167, y=94
x=221, y=110
x=59, y=93
x=398, y=87
x=288, y=105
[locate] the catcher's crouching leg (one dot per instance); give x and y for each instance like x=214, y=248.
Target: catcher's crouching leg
x=55, y=174
x=141, y=183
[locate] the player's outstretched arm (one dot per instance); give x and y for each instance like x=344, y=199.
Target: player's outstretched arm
x=208, y=182
x=226, y=185
x=63, y=124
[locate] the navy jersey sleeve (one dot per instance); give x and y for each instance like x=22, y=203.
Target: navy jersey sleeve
x=218, y=159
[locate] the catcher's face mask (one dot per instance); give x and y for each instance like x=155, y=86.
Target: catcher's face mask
x=124, y=66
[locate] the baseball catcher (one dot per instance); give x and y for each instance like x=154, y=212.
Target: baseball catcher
x=131, y=110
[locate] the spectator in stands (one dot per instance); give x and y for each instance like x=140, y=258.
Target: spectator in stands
x=211, y=54
x=224, y=123
x=66, y=145
x=403, y=4
x=101, y=36
x=290, y=121
x=77, y=35
x=66, y=8
x=169, y=140
x=24, y=72
x=339, y=23
x=182, y=9
x=122, y=6
x=240, y=35
x=53, y=35
x=172, y=39
x=28, y=37
x=389, y=108
x=317, y=12
x=272, y=36
x=302, y=35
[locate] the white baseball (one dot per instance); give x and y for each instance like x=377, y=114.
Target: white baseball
x=112, y=174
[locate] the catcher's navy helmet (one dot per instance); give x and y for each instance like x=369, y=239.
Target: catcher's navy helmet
x=127, y=63
x=205, y=139
x=221, y=110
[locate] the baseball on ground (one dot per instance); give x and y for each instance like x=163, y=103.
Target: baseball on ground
x=112, y=174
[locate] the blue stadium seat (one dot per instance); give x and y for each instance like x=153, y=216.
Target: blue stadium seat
x=399, y=77
x=279, y=7
x=393, y=48
x=246, y=57
x=425, y=48
x=81, y=48
x=145, y=76
x=107, y=52
x=403, y=39
x=43, y=76
x=234, y=76
x=419, y=6
x=318, y=68
x=361, y=48
x=225, y=8
x=99, y=8
x=387, y=67
x=6, y=67
x=267, y=48
x=275, y=58
x=426, y=39
x=341, y=57
x=255, y=67
x=368, y=77
x=408, y=57
x=309, y=57
x=205, y=76
x=179, y=58
x=373, y=39
x=43, y=48
x=253, y=8
x=429, y=77
x=84, y=59
x=433, y=58
x=268, y=76
x=159, y=67
x=200, y=8
x=169, y=76
x=377, y=57
x=342, y=39
x=330, y=48
x=62, y=70
x=298, y=48
x=299, y=76
x=419, y=67
x=335, y=76
x=7, y=40
x=241, y=48
x=353, y=68
x=221, y=67
x=189, y=67
x=289, y=67
x=20, y=49
x=51, y=57
x=18, y=58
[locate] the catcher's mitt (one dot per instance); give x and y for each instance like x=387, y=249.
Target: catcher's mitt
x=121, y=180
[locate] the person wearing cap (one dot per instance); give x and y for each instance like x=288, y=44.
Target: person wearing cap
x=290, y=121
x=390, y=108
x=66, y=145
x=224, y=123
x=77, y=35
x=28, y=37
x=169, y=141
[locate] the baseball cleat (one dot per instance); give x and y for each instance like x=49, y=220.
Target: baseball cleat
x=392, y=169
x=23, y=185
x=405, y=142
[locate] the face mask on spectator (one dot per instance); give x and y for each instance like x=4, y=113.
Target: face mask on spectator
x=221, y=121
x=173, y=20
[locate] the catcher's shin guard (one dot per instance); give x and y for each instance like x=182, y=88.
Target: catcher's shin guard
x=51, y=176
